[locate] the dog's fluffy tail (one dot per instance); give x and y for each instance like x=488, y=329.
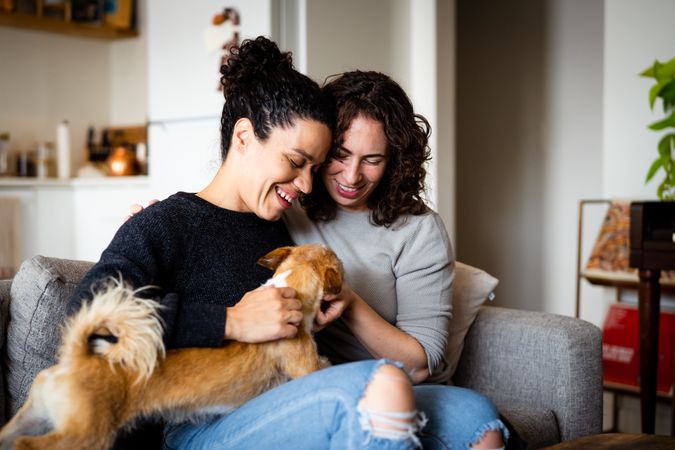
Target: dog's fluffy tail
x=118, y=326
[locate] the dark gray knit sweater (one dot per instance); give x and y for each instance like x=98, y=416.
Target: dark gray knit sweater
x=200, y=256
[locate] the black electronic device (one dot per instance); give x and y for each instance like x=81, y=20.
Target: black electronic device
x=652, y=235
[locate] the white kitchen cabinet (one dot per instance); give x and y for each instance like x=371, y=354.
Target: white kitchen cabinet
x=76, y=218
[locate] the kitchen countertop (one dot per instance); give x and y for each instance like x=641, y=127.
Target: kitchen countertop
x=140, y=180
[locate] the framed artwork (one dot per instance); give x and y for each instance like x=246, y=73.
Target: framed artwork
x=120, y=14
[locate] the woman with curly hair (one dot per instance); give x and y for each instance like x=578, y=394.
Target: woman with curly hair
x=367, y=205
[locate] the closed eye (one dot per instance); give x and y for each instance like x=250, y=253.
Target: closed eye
x=297, y=163
x=340, y=154
x=374, y=161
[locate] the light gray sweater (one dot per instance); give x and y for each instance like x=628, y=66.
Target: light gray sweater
x=403, y=272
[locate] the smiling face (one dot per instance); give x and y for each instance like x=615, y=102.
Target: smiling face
x=277, y=170
x=358, y=165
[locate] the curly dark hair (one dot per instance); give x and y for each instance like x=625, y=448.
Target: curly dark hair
x=376, y=96
x=260, y=84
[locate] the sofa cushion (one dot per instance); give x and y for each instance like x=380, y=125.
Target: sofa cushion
x=471, y=288
x=39, y=293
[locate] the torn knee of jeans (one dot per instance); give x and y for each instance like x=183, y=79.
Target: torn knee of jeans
x=379, y=421
x=392, y=425
x=494, y=425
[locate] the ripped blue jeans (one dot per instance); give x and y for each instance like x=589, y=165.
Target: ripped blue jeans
x=319, y=411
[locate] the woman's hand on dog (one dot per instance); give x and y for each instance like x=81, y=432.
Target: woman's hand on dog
x=332, y=307
x=265, y=314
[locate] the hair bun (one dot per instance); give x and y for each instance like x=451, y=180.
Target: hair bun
x=255, y=59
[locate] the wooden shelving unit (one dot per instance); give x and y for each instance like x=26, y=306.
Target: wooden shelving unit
x=619, y=281
x=633, y=390
x=616, y=280
x=60, y=26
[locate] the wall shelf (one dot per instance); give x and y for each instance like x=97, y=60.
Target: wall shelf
x=59, y=26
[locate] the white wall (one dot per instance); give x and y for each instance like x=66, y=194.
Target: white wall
x=46, y=78
x=353, y=34
x=572, y=144
x=636, y=33
x=129, y=75
x=529, y=128
x=445, y=124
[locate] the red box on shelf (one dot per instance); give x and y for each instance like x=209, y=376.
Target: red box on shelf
x=621, y=348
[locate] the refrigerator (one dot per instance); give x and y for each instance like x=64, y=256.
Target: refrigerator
x=184, y=102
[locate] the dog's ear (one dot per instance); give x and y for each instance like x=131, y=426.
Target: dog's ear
x=273, y=259
x=332, y=281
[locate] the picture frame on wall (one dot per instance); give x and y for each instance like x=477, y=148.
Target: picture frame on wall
x=120, y=14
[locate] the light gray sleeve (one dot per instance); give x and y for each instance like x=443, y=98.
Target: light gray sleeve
x=424, y=271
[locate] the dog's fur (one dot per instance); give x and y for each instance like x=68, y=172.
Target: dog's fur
x=113, y=367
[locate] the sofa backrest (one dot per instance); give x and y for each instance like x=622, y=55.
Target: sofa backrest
x=37, y=309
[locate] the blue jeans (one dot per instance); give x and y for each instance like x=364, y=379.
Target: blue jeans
x=319, y=411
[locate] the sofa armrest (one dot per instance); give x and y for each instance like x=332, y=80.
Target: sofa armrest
x=537, y=360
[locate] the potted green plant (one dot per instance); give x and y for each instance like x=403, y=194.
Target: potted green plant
x=663, y=88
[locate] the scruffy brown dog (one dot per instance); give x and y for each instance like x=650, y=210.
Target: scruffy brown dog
x=113, y=367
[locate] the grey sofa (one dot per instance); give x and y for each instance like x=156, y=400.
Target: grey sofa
x=543, y=371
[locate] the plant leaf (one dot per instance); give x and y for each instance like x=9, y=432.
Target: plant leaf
x=668, y=95
x=665, y=144
x=650, y=71
x=660, y=190
x=656, y=165
x=665, y=123
x=655, y=91
x=665, y=71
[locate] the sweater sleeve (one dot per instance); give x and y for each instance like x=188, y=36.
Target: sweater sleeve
x=424, y=277
x=132, y=256
x=141, y=254
x=199, y=325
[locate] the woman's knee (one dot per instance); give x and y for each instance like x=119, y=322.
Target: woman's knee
x=388, y=390
x=387, y=408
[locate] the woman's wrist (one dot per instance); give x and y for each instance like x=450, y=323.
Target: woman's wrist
x=230, y=324
x=352, y=306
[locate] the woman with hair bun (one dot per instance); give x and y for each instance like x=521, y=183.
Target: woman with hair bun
x=200, y=251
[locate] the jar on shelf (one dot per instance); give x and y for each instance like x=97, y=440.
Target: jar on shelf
x=122, y=162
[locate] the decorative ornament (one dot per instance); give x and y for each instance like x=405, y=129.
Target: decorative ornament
x=223, y=35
